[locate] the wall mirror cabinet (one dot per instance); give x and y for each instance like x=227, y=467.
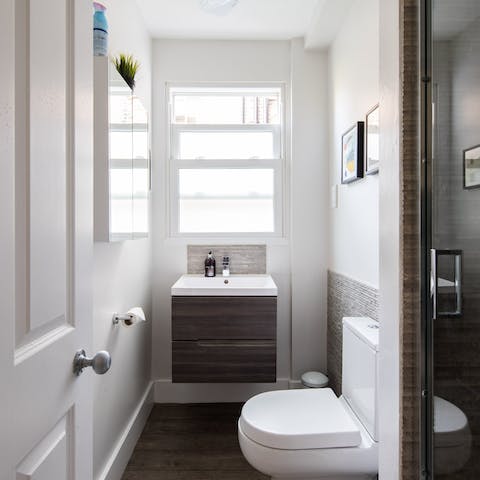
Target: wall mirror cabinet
x=121, y=156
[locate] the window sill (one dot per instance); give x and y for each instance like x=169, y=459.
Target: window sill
x=227, y=240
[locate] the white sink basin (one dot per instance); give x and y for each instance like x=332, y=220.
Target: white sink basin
x=234, y=285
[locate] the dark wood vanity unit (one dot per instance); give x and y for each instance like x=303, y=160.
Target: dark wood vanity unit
x=224, y=339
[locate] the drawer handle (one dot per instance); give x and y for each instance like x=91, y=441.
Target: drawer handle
x=234, y=344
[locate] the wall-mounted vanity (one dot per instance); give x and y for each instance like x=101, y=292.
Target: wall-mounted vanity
x=224, y=329
x=122, y=159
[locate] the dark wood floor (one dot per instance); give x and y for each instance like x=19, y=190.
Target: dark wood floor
x=191, y=442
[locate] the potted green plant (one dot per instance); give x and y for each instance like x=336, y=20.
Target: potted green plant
x=127, y=67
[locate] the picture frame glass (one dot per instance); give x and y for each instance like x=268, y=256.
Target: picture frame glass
x=372, y=147
x=349, y=155
x=471, y=166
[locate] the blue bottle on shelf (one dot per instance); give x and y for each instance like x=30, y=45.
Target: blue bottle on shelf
x=100, y=30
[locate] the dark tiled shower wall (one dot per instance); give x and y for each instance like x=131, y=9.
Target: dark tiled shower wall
x=457, y=340
x=346, y=298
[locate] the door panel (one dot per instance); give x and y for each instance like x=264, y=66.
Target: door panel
x=48, y=75
x=46, y=240
x=454, y=231
x=51, y=457
x=42, y=169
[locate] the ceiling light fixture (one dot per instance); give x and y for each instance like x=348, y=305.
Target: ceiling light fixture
x=218, y=7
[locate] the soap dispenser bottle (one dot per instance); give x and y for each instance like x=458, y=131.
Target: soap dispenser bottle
x=210, y=270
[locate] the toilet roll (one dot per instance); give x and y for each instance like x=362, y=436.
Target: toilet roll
x=134, y=315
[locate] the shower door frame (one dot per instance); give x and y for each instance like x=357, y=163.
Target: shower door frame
x=426, y=171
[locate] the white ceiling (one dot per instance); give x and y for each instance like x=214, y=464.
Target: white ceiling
x=249, y=20
x=325, y=22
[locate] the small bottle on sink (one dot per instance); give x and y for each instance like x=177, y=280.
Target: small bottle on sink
x=210, y=270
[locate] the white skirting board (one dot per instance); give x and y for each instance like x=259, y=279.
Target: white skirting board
x=168, y=392
x=122, y=452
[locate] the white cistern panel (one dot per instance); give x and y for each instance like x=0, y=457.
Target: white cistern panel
x=359, y=369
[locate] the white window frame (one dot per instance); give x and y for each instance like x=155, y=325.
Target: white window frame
x=278, y=165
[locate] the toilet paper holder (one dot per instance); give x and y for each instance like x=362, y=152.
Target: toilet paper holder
x=133, y=316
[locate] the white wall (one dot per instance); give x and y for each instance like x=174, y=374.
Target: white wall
x=309, y=209
x=389, y=371
x=248, y=61
x=122, y=279
x=127, y=34
x=353, y=91
x=364, y=69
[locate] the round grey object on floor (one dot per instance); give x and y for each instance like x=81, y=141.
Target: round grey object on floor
x=314, y=380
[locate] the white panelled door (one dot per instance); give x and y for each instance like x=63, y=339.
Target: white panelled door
x=45, y=238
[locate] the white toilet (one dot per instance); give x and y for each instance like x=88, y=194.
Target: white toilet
x=452, y=437
x=312, y=434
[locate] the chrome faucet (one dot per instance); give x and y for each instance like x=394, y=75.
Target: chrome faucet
x=226, y=267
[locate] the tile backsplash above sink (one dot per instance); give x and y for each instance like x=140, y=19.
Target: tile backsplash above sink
x=244, y=259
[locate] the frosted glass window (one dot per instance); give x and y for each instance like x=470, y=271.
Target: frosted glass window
x=226, y=200
x=121, y=144
x=121, y=216
x=120, y=106
x=121, y=182
x=140, y=200
x=226, y=144
x=140, y=216
x=140, y=144
x=204, y=107
x=226, y=164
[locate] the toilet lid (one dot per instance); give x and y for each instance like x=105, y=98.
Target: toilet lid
x=299, y=419
x=450, y=424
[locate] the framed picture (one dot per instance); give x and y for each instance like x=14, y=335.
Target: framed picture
x=471, y=167
x=352, y=153
x=372, y=147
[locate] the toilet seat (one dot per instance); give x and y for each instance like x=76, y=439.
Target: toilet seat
x=298, y=420
x=359, y=462
x=450, y=424
x=452, y=437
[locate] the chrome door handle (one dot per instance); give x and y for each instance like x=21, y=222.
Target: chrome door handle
x=433, y=281
x=100, y=362
x=455, y=285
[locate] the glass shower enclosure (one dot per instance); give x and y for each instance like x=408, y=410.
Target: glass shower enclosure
x=451, y=238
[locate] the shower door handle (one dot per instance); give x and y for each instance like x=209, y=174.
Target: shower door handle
x=452, y=287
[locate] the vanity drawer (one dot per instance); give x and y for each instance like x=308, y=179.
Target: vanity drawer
x=224, y=361
x=223, y=318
